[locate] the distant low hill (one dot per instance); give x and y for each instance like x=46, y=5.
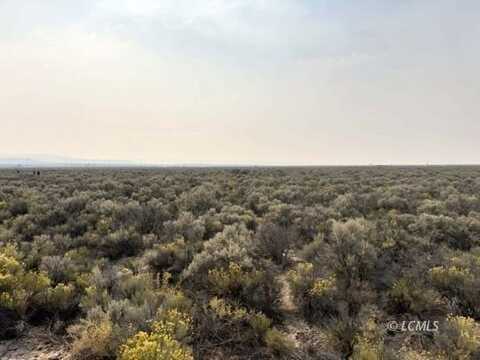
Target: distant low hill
x=56, y=161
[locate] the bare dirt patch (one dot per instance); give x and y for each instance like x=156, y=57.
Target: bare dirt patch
x=34, y=344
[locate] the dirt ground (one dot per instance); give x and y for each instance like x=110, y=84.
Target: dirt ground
x=34, y=344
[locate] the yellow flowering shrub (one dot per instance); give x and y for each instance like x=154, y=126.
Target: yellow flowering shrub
x=176, y=322
x=323, y=287
x=315, y=295
x=302, y=277
x=237, y=316
x=227, y=311
x=232, y=279
x=450, y=276
x=61, y=297
x=20, y=288
x=161, y=343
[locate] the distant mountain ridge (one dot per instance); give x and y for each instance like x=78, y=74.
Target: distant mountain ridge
x=28, y=161
x=45, y=161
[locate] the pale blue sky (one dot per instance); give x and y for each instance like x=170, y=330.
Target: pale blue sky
x=242, y=81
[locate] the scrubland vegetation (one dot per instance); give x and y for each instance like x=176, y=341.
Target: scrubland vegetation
x=291, y=263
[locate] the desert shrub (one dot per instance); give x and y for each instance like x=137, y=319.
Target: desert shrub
x=186, y=226
x=59, y=269
x=451, y=278
x=410, y=296
x=443, y=229
x=350, y=251
x=302, y=278
x=244, y=330
x=18, y=207
x=459, y=280
x=358, y=337
x=274, y=241
x=20, y=290
x=93, y=337
x=278, y=343
x=462, y=204
x=312, y=252
x=62, y=299
x=113, y=252
x=317, y=296
x=53, y=218
x=230, y=253
x=369, y=343
x=152, y=216
x=310, y=222
x=231, y=280
x=322, y=295
x=199, y=200
x=342, y=334
x=280, y=214
x=125, y=215
x=351, y=256
x=76, y=227
x=76, y=204
x=212, y=224
x=124, y=242
x=129, y=303
x=254, y=288
x=433, y=207
x=459, y=338
x=394, y=202
x=251, y=287
x=172, y=257
x=162, y=343
x=230, y=215
x=41, y=246
x=345, y=205
x=234, y=244
x=107, y=284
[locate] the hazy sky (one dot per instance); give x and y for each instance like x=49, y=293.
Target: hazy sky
x=242, y=81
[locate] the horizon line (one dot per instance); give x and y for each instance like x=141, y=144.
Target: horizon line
x=120, y=165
